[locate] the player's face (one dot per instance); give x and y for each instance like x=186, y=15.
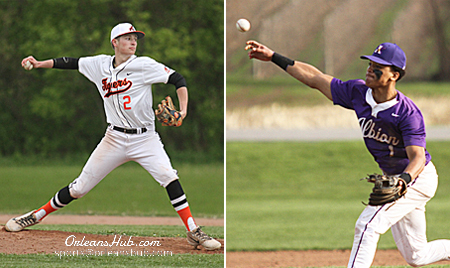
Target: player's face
x=379, y=75
x=127, y=44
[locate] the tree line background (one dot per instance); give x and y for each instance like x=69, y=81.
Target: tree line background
x=332, y=34
x=59, y=112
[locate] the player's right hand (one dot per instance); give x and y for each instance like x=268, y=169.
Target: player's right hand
x=31, y=59
x=258, y=51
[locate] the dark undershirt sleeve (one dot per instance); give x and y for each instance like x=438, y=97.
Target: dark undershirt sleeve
x=177, y=80
x=65, y=63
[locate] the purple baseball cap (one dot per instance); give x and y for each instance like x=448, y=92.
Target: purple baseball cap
x=388, y=54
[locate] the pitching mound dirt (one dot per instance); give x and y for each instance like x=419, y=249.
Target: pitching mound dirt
x=69, y=243
x=77, y=244
x=310, y=258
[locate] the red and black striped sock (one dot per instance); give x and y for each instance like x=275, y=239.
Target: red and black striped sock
x=180, y=204
x=60, y=200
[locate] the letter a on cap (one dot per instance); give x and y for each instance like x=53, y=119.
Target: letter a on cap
x=379, y=49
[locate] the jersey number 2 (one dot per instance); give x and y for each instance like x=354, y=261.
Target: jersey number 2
x=128, y=101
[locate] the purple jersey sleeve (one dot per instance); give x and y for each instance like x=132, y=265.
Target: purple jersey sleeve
x=343, y=92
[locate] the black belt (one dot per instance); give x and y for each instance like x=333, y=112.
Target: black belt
x=130, y=130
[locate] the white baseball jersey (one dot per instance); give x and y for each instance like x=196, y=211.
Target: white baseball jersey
x=127, y=89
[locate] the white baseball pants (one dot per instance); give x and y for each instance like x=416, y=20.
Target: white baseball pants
x=406, y=218
x=117, y=148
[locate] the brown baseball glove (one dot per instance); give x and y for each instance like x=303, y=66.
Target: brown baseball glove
x=387, y=189
x=167, y=114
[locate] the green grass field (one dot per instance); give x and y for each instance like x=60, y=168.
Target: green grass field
x=307, y=195
x=128, y=190
x=180, y=260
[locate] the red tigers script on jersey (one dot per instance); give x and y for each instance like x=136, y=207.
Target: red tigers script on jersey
x=115, y=87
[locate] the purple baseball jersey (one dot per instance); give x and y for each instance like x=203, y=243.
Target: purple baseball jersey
x=387, y=127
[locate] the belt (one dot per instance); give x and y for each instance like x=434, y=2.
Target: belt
x=130, y=130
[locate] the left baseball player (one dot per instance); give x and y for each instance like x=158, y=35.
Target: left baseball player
x=124, y=81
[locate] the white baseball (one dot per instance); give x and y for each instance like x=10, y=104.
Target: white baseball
x=28, y=66
x=243, y=25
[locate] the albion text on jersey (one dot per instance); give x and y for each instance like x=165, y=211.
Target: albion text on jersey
x=368, y=131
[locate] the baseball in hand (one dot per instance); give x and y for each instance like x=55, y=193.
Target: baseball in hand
x=243, y=25
x=28, y=66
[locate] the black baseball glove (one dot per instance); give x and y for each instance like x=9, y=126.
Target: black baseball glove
x=387, y=189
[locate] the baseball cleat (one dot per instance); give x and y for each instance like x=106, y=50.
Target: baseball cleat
x=198, y=237
x=19, y=223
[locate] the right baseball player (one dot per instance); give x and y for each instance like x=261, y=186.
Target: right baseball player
x=394, y=133
x=124, y=82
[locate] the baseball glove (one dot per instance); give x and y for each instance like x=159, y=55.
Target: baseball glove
x=387, y=189
x=167, y=114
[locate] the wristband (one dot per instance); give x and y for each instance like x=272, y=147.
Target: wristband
x=282, y=61
x=406, y=177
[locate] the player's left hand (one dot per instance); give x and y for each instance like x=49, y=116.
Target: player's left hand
x=167, y=113
x=387, y=189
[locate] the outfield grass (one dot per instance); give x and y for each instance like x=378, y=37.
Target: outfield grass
x=176, y=261
x=128, y=190
x=307, y=195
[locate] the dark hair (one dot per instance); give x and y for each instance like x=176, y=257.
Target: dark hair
x=398, y=70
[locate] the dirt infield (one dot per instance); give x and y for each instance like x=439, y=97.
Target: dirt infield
x=70, y=243
x=310, y=258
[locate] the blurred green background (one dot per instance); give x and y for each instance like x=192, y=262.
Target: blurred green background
x=58, y=113
x=51, y=120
